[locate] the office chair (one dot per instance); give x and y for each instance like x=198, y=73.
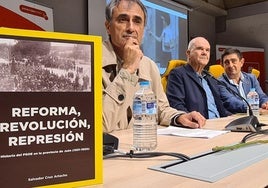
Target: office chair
x=256, y=72
x=216, y=70
x=171, y=65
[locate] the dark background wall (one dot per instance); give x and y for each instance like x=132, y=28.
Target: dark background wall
x=70, y=16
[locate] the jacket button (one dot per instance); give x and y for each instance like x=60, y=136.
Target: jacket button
x=121, y=97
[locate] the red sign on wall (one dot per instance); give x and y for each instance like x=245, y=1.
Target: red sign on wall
x=25, y=15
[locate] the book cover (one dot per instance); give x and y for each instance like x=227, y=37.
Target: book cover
x=50, y=98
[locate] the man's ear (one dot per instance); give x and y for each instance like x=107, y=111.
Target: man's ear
x=242, y=61
x=187, y=53
x=107, y=25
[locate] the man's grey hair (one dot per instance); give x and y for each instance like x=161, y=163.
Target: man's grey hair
x=114, y=3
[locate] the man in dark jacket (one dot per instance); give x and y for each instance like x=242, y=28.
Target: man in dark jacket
x=240, y=82
x=189, y=89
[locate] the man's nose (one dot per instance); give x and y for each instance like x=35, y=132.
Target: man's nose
x=130, y=25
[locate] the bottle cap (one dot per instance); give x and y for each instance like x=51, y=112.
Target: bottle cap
x=144, y=83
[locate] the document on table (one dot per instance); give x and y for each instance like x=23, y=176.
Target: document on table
x=187, y=132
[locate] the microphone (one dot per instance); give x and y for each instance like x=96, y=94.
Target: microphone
x=244, y=124
x=110, y=143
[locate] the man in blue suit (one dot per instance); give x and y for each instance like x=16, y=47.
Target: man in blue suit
x=189, y=89
x=239, y=81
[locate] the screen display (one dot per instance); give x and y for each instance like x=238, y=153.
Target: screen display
x=166, y=34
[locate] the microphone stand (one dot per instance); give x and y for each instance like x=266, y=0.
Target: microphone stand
x=244, y=124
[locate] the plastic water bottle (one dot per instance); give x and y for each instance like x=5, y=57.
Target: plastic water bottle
x=253, y=101
x=145, y=118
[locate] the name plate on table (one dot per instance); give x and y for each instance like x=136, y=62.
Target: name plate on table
x=50, y=98
x=215, y=166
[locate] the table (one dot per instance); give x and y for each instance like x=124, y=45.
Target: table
x=128, y=173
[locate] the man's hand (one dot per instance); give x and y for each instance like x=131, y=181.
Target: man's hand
x=193, y=119
x=132, y=55
x=265, y=106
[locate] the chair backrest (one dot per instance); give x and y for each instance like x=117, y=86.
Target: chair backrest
x=256, y=72
x=171, y=65
x=216, y=70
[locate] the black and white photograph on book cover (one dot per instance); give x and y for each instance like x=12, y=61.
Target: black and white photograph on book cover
x=50, y=123
x=33, y=66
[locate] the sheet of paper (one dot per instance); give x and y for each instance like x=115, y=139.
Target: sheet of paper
x=185, y=132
